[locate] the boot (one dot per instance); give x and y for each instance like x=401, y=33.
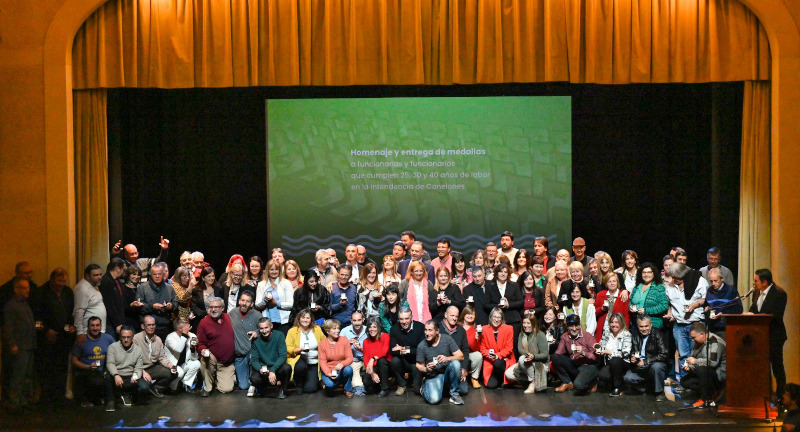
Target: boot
x=531, y=388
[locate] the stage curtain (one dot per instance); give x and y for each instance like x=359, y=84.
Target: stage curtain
x=205, y=43
x=91, y=178
x=754, y=200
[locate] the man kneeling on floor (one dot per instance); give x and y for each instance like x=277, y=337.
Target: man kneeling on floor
x=705, y=366
x=158, y=370
x=574, y=359
x=439, y=359
x=124, y=364
x=268, y=360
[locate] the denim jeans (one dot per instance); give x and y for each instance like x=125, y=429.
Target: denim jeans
x=345, y=376
x=242, y=366
x=684, y=343
x=434, y=387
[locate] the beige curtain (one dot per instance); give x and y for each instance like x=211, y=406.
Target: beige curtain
x=205, y=43
x=91, y=178
x=754, y=199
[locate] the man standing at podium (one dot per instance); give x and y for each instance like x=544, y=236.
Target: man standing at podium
x=771, y=299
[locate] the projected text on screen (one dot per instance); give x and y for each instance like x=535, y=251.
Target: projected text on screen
x=362, y=170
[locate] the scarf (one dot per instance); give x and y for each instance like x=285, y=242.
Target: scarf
x=412, y=301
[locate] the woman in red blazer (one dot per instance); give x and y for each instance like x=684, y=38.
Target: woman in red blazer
x=497, y=349
x=601, y=304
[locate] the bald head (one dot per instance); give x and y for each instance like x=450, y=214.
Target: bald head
x=131, y=253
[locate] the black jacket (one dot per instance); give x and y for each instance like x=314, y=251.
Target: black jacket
x=513, y=313
x=774, y=304
x=656, y=349
x=411, y=339
x=302, y=300
x=538, y=298
x=112, y=292
x=55, y=312
x=481, y=301
x=453, y=292
x=587, y=291
x=199, y=304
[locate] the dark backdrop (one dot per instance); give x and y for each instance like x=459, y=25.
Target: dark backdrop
x=191, y=165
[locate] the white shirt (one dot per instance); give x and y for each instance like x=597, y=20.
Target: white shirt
x=511, y=254
x=175, y=345
x=762, y=297
x=677, y=302
x=232, y=298
x=630, y=280
x=420, y=301
x=88, y=303
x=502, y=289
x=386, y=280
x=312, y=355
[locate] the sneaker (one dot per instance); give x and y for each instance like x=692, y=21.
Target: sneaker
x=205, y=393
x=281, y=394
x=110, y=407
x=670, y=382
x=155, y=392
x=251, y=391
x=127, y=400
x=616, y=392
x=476, y=384
x=456, y=400
x=699, y=403
x=87, y=404
x=400, y=391
x=383, y=393
x=661, y=397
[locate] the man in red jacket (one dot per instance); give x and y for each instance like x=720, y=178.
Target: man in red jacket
x=215, y=342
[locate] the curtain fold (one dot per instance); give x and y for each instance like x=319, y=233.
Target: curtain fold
x=754, y=199
x=91, y=178
x=206, y=43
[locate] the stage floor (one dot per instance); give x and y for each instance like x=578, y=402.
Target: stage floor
x=482, y=409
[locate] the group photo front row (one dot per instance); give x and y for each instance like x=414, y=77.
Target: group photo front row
x=504, y=319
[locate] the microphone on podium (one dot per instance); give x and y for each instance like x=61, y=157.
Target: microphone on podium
x=752, y=290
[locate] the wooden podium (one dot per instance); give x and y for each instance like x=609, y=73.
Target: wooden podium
x=749, y=382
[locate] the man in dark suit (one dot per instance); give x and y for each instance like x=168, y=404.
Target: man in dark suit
x=111, y=290
x=416, y=255
x=771, y=299
x=479, y=291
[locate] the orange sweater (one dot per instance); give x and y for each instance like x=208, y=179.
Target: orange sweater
x=330, y=356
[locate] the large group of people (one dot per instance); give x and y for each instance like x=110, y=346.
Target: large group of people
x=501, y=318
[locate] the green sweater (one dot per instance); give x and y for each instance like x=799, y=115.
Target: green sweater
x=654, y=302
x=537, y=345
x=270, y=352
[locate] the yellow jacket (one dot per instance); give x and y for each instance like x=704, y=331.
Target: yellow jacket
x=293, y=342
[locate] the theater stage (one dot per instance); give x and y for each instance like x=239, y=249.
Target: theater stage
x=483, y=409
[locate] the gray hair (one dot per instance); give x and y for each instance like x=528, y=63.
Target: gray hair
x=198, y=255
x=404, y=310
x=716, y=270
x=215, y=299
x=322, y=253
x=678, y=270
x=644, y=318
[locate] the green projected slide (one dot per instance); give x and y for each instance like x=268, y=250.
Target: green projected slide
x=362, y=170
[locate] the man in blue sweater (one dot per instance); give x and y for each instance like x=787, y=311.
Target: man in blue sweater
x=721, y=298
x=343, y=296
